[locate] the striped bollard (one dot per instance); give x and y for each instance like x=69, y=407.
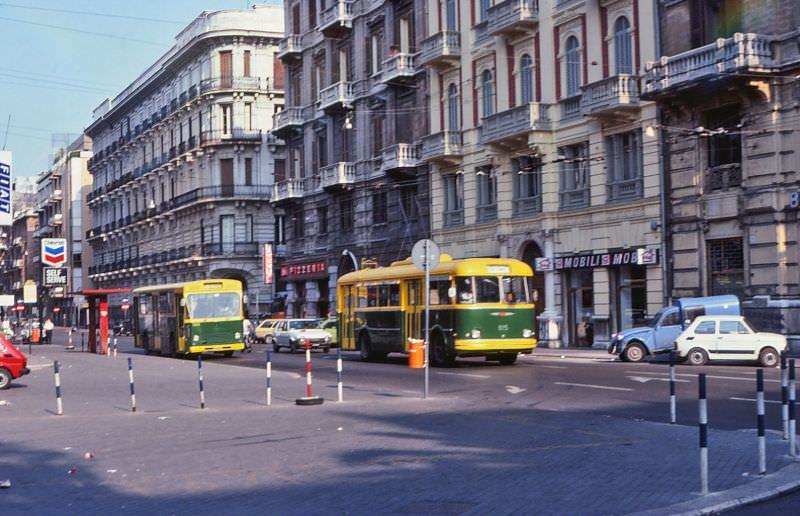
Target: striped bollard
x=130, y=378
x=703, y=425
x=57, y=375
x=115, y=347
x=269, y=379
x=672, y=398
x=784, y=396
x=200, y=379
x=762, y=440
x=339, y=373
x=70, y=346
x=792, y=414
x=309, y=398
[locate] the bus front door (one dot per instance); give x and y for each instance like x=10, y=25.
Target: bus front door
x=413, y=311
x=348, y=319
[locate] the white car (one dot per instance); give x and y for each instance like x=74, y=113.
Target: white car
x=293, y=334
x=728, y=337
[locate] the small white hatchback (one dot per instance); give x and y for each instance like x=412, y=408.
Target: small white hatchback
x=728, y=337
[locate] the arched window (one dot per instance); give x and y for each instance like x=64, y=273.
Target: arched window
x=526, y=79
x=450, y=13
x=487, y=84
x=452, y=108
x=573, y=60
x=622, y=46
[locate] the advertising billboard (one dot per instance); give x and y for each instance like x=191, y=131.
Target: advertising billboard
x=6, y=211
x=54, y=251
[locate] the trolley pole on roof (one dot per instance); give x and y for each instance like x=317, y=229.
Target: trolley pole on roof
x=426, y=255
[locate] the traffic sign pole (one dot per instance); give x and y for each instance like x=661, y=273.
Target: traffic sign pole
x=427, y=318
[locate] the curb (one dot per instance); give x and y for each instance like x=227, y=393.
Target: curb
x=787, y=479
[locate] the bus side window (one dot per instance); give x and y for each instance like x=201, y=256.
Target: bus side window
x=383, y=295
x=394, y=295
x=362, y=297
x=372, y=296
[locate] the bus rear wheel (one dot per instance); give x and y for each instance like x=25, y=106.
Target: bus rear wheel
x=507, y=358
x=442, y=354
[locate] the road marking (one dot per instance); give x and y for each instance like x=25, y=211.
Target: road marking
x=751, y=399
x=550, y=366
x=645, y=379
x=513, y=389
x=590, y=386
x=694, y=375
x=484, y=376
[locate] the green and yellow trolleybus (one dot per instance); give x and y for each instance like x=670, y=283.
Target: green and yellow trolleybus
x=478, y=307
x=190, y=318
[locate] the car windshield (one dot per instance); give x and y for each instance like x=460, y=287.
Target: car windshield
x=302, y=325
x=653, y=320
x=218, y=304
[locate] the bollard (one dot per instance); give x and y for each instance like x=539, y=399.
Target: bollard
x=784, y=396
x=59, y=406
x=762, y=440
x=792, y=421
x=703, y=426
x=115, y=347
x=133, y=392
x=82, y=342
x=339, y=373
x=672, y=399
x=269, y=379
x=309, y=398
x=69, y=341
x=200, y=378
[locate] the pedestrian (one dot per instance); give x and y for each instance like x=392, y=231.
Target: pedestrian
x=247, y=327
x=47, y=331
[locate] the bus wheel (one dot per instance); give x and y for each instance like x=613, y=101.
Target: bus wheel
x=507, y=358
x=442, y=354
x=227, y=354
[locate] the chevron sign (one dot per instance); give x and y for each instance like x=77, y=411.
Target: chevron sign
x=54, y=251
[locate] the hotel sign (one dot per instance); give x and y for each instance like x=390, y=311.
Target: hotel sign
x=591, y=261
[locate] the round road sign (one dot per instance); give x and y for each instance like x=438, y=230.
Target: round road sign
x=425, y=252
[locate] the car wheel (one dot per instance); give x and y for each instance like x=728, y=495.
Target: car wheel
x=441, y=354
x=634, y=352
x=508, y=358
x=275, y=347
x=326, y=349
x=5, y=378
x=292, y=348
x=697, y=356
x=769, y=357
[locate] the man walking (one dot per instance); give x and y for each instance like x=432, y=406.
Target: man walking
x=47, y=331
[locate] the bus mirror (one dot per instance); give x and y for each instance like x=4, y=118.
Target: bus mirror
x=183, y=301
x=451, y=292
x=244, y=299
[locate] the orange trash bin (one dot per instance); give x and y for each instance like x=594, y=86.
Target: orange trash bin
x=35, y=335
x=416, y=354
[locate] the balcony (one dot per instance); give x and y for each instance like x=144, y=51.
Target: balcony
x=441, y=49
x=401, y=156
x=442, y=146
x=290, y=47
x=611, y=95
x=286, y=121
x=513, y=16
x=571, y=107
x=744, y=54
x=233, y=83
x=338, y=174
x=336, y=18
x=57, y=219
x=252, y=136
x=510, y=128
x=398, y=69
x=56, y=196
x=340, y=94
x=288, y=190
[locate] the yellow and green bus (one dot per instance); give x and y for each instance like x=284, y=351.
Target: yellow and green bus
x=478, y=307
x=190, y=318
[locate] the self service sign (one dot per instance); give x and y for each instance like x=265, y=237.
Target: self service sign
x=6, y=213
x=54, y=251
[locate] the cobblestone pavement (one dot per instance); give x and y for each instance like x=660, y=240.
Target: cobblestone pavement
x=376, y=453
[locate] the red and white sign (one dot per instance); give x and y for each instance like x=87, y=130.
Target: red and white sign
x=266, y=264
x=125, y=306
x=54, y=251
x=56, y=309
x=304, y=270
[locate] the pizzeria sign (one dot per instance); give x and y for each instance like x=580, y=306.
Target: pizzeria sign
x=304, y=270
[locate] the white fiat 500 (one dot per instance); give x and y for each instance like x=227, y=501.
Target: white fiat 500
x=728, y=337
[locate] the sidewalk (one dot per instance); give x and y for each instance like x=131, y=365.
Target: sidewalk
x=376, y=453
x=587, y=353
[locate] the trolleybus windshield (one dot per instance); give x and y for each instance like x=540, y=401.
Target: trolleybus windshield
x=218, y=304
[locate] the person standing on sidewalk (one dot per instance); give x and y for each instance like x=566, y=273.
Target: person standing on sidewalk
x=47, y=331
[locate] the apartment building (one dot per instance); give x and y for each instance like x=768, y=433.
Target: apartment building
x=355, y=190
x=184, y=162
x=541, y=148
x=16, y=265
x=728, y=91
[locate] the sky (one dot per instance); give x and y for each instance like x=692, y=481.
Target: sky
x=59, y=65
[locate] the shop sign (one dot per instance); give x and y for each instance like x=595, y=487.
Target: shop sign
x=267, y=264
x=54, y=276
x=304, y=270
x=6, y=211
x=590, y=261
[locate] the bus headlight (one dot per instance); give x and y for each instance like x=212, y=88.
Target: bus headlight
x=328, y=338
x=526, y=333
x=196, y=338
x=237, y=335
x=476, y=333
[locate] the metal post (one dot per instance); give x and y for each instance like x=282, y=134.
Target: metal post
x=133, y=392
x=308, y=368
x=70, y=346
x=427, y=319
x=792, y=421
x=339, y=372
x=784, y=396
x=703, y=425
x=200, y=378
x=762, y=440
x=59, y=406
x=672, y=398
x=115, y=347
x=269, y=378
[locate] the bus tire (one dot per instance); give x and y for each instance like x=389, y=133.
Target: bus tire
x=227, y=353
x=507, y=358
x=442, y=354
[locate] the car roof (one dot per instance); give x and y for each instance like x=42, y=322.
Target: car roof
x=718, y=318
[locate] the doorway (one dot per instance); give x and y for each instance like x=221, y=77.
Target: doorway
x=530, y=252
x=580, y=307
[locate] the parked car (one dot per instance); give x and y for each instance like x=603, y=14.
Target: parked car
x=728, y=337
x=658, y=336
x=293, y=333
x=332, y=327
x=123, y=328
x=265, y=329
x=13, y=364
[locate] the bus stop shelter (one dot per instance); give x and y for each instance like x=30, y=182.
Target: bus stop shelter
x=98, y=315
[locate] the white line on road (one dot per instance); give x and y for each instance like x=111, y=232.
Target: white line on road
x=513, y=389
x=751, y=399
x=694, y=375
x=550, y=366
x=590, y=386
x=484, y=376
x=645, y=379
